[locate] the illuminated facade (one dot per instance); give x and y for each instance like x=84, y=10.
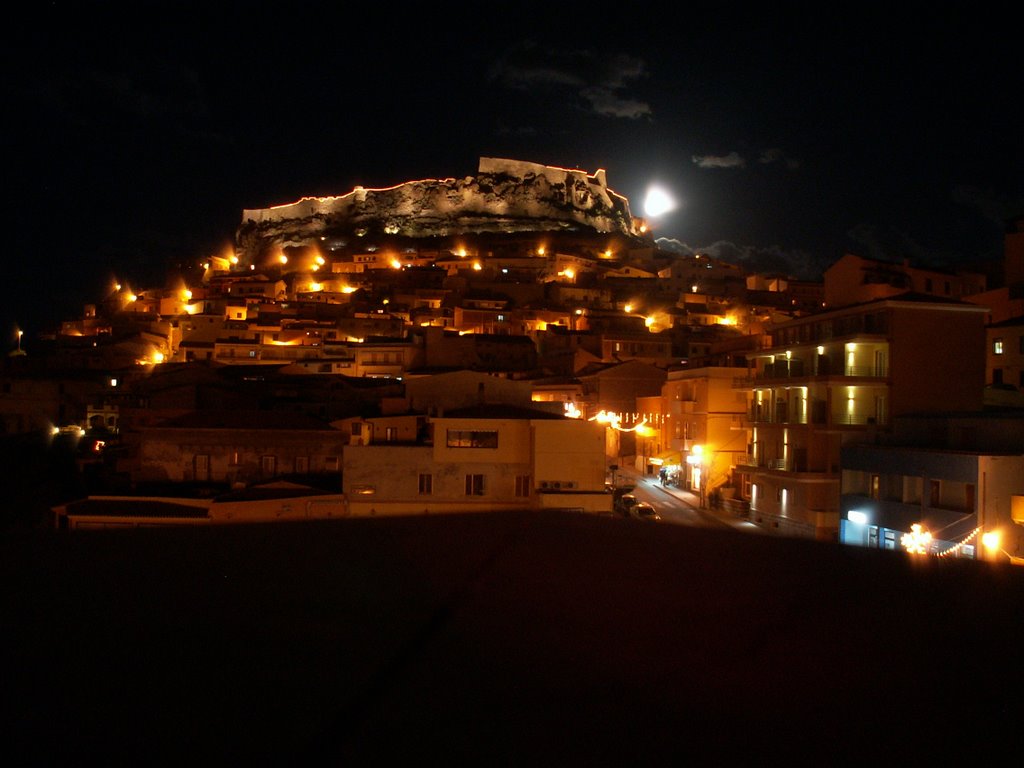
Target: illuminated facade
x=840, y=377
x=958, y=478
x=703, y=430
x=476, y=459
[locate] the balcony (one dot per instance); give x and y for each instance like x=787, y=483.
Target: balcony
x=795, y=369
x=781, y=416
x=854, y=420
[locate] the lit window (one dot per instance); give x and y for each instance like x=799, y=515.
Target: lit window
x=477, y=438
x=997, y=346
x=426, y=486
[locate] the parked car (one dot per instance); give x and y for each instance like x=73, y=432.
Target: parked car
x=625, y=503
x=644, y=511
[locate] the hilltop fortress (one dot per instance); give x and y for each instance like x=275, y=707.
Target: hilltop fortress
x=506, y=196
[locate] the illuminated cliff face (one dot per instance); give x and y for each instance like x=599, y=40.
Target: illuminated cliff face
x=504, y=196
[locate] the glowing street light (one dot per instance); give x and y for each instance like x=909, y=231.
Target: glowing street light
x=992, y=541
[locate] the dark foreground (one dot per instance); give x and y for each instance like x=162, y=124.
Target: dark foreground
x=509, y=640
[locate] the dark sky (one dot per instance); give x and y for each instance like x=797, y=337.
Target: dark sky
x=137, y=133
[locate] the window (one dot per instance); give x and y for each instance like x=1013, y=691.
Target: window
x=474, y=485
x=522, y=485
x=201, y=466
x=301, y=464
x=426, y=487
x=268, y=464
x=390, y=434
x=331, y=463
x=997, y=346
x=476, y=438
x=874, y=487
x=1020, y=344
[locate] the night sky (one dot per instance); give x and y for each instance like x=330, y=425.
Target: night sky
x=136, y=134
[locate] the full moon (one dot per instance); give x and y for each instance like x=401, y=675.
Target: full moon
x=658, y=202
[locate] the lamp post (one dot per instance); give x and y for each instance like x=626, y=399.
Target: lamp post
x=992, y=541
x=20, y=334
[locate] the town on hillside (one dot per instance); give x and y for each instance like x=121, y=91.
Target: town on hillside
x=374, y=373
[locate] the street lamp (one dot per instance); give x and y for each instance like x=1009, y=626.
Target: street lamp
x=20, y=334
x=992, y=541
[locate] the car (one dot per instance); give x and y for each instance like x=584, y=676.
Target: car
x=644, y=511
x=619, y=491
x=625, y=503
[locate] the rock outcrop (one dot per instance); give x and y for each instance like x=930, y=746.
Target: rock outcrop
x=505, y=196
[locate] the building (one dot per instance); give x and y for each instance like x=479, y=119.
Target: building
x=841, y=377
x=703, y=432
x=476, y=459
x=1004, y=362
x=855, y=279
x=226, y=449
x=958, y=479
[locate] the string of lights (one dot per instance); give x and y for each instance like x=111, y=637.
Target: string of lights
x=918, y=542
x=960, y=545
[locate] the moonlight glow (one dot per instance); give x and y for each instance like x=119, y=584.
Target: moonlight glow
x=658, y=202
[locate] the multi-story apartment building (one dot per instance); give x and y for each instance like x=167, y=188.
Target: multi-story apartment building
x=840, y=377
x=703, y=430
x=960, y=478
x=1004, y=359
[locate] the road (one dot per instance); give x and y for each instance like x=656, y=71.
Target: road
x=676, y=505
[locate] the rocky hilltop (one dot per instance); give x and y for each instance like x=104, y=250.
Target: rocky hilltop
x=505, y=196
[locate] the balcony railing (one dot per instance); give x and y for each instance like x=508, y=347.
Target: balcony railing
x=817, y=415
x=853, y=419
x=794, y=369
x=767, y=417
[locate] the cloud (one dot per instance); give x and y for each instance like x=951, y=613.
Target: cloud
x=732, y=160
x=797, y=264
x=601, y=82
x=736, y=160
x=605, y=102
